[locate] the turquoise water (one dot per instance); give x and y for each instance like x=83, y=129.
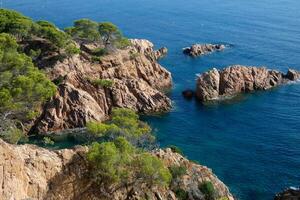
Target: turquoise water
x=252, y=143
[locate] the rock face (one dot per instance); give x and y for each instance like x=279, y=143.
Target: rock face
x=217, y=84
x=202, y=49
x=138, y=81
x=30, y=172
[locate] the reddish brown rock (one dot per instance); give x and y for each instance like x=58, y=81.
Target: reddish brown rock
x=31, y=172
x=216, y=84
x=202, y=49
x=138, y=82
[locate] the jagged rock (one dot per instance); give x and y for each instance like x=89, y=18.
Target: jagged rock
x=138, y=81
x=31, y=172
x=216, y=84
x=289, y=194
x=188, y=94
x=202, y=49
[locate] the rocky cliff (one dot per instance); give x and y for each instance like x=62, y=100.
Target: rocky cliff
x=217, y=84
x=137, y=83
x=31, y=172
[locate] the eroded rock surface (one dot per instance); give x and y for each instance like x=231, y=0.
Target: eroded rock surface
x=138, y=82
x=202, y=49
x=216, y=84
x=288, y=194
x=31, y=172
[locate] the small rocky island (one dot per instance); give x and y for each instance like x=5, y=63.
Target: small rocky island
x=202, y=49
x=218, y=84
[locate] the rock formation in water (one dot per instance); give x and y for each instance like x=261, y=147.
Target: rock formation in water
x=288, y=194
x=216, y=84
x=202, y=49
x=31, y=172
x=137, y=83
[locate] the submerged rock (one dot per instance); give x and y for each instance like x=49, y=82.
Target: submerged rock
x=216, y=84
x=289, y=194
x=137, y=82
x=31, y=172
x=188, y=94
x=202, y=49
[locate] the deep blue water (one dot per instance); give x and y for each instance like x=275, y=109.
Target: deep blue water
x=252, y=143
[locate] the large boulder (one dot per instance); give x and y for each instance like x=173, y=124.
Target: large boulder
x=31, y=172
x=202, y=49
x=291, y=193
x=138, y=82
x=217, y=84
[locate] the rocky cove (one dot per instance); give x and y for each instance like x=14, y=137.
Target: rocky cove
x=88, y=89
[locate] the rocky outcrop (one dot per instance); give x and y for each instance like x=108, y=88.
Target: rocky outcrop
x=202, y=49
x=217, y=84
x=289, y=194
x=138, y=81
x=31, y=172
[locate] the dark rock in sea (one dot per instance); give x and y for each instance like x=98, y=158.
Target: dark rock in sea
x=188, y=94
x=289, y=194
x=202, y=49
x=217, y=84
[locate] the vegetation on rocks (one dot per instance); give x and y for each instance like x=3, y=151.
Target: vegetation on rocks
x=23, y=88
x=207, y=188
x=119, y=161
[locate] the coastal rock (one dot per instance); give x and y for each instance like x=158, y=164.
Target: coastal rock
x=202, y=49
x=289, y=194
x=138, y=81
x=188, y=94
x=217, y=84
x=31, y=172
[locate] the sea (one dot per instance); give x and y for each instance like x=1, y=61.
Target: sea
x=251, y=142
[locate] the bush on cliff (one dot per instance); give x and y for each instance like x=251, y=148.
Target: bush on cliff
x=125, y=123
x=207, y=188
x=23, y=88
x=118, y=163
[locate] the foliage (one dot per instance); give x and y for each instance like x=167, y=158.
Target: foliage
x=103, y=82
x=23, y=28
x=122, y=43
x=109, y=32
x=124, y=122
x=16, y=24
x=152, y=170
x=84, y=29
x=34, y=54
x=71, y=49
x=22, y=86
x=175, y=149
x=207, y=188
x=11, y=135
x=96, y=59
x=48, y=141
x=177, y=171
x=181, y=194
x=99, y=52
x=223, y=198
x=119, y=163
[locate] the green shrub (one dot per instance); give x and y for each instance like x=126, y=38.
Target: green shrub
x=34, y=53
x=177, y=171
x=22, y=86
x=207, y=188
x=48, y=141
x=181, y=194
x=96, y=59
x=117, y=162
x=12, y=135
x=123, y=43
x=103, y=82
x=99, y=52
x=71, y=49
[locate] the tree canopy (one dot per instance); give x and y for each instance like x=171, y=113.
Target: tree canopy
x=22, y=86
x=120, y=163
